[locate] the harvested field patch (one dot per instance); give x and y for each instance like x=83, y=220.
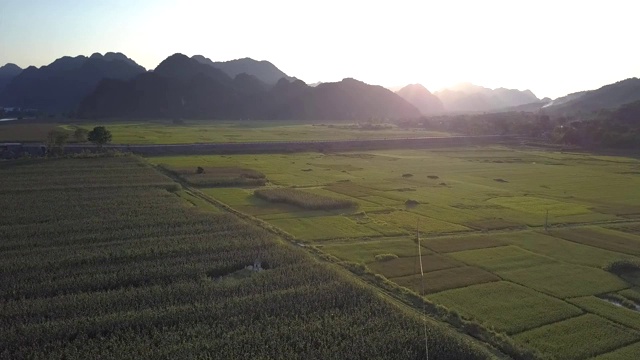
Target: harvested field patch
x=411, y=265
x=446, y=279
x=506, y=306
x=578, y=338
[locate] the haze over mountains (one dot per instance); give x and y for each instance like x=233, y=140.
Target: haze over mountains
x=113, y=85
x=186, y=87
x=61, y=85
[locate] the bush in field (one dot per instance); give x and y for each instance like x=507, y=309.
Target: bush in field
x=623, y=267
x=386, y=257
x=304, y=199
x=99, y=136
x=80, y=135
x=407, y=175
x=174, y=188
x=412, y=203
x=200, y=170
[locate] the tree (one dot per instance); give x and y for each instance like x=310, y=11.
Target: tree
x=56, y=139
x=99, y=136
x=80, y=135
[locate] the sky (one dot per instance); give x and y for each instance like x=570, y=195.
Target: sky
x=550, y=47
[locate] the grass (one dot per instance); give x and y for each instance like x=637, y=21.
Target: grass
x=219, y=176
x=505, y=306
x=578, y=338
x=453, y=244
x=410, y=265
x=323, y=227
x=436, y=281
x=409, y=221
x=562, y=250
x=502, y=258
x=303, y=199
x=98, y=259
x=454, y=209
x=365, y=252
x=602, y=238
x=565, y=280
x=198, y=202
x=540, y=206
x=194, y=131
x=629, y=352
x=607, y=310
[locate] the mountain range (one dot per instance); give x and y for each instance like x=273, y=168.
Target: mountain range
x=7, y=73
x=114, y=85
x=467, y=97
x=421, y=98
x=61, y=85
x=183, y=87
x=263, y=70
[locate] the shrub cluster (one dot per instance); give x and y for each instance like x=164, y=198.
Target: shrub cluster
x=304, y=199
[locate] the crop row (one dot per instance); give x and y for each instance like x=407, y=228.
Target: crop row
x=124, y=270
x=303, y=199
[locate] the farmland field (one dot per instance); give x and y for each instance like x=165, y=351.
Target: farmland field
x=516, y=239
x=195, y=131
x=107, y=258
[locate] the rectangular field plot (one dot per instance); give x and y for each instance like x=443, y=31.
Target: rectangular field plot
x=411, y=265
x=323, y=227
x=629, y=352
x=607, y=310
x=564, y=280
x=506, y=306
x=632, y=294
x=563, y=250
x=365, y=252
x=408, y=221
x=578, y=338
x=461, y=243
x=501, y=258
x=602, y=238
x=540, y=206
x=446, y=279
x=233, y=196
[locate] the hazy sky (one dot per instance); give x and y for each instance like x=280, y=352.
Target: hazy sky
x=551, y=47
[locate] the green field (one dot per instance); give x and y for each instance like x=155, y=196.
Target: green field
x=481, y=213
x=107, y=258
x=579, y=338
x=506, y=306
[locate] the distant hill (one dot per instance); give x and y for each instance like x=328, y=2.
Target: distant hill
x=467, y=97
x=186, y=88
x=61, y=85
x=7, y=73
x=421, y=98
x=607, y=97
x=263, y=70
